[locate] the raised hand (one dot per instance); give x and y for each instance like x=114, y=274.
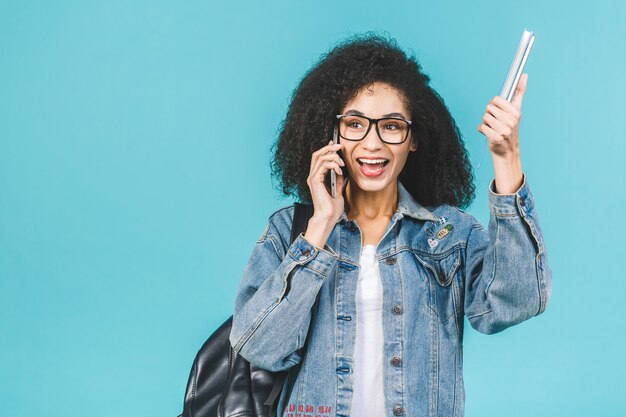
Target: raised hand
x=501, y=127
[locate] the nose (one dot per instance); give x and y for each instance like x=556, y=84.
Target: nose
x=372, y=139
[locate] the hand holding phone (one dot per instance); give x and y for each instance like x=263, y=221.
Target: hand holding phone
x=324, y=161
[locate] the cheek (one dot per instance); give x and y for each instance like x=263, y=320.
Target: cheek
x=400, y=163
x=349, y=164
x=401, y=158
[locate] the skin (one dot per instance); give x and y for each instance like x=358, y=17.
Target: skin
x=373, y=201
x=501, y=127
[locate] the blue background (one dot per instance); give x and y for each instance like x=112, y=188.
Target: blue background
x=134, y=180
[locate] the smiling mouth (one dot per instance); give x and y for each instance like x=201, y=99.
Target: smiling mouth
x=373, y=170
x=373, y=165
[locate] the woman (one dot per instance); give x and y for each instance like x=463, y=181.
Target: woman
x=365, y=310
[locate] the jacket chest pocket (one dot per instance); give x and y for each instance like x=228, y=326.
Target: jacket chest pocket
x=441, y=277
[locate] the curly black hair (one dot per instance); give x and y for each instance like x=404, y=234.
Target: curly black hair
x=438, y=172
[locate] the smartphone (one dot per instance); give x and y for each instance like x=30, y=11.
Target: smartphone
x=333, y=174
x=517, y=66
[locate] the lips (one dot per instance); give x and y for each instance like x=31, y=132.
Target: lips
x=373, y=170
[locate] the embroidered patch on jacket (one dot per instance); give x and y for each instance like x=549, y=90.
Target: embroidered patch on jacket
x=442, y=220
x=429, y=229
x=432, y=242
x=443, y=232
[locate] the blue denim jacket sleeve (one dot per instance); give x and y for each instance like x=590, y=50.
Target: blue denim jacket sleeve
x=273, y=304
x=506, y=270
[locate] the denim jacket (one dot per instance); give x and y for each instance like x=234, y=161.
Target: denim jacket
x=295, y=307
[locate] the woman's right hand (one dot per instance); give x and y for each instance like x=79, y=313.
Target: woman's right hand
x=322, y=161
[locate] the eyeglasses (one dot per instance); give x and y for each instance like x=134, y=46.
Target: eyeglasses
x=392, y=130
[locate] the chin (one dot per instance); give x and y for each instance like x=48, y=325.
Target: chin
x=374, y=184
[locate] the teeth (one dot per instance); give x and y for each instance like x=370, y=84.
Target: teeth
x=372, y=161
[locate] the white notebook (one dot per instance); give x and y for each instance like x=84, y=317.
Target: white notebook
x=517, y=66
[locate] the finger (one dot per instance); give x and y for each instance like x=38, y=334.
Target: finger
x=337, y=167
x=502, y=130
x=333, y=157
x=502, y=115
x=518, y=96
x=505, y=106
x=493, y=123
x=319, y=173
x=487, y=131
x=327, y=166
x=320, y=160
x=328, y=148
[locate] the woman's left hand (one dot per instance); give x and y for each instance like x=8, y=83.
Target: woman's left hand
x=501, y=122
x=501, y=125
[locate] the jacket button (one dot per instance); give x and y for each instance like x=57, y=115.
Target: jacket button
x=391, y=261
x=397, y=410
x=521, y=202
x=397, y=309
x=396, y=361
x=306, y=252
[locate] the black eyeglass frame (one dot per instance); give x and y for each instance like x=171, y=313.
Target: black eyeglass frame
x=373, y=122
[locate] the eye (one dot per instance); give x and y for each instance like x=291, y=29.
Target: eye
x=353, y=123
x=393, y=125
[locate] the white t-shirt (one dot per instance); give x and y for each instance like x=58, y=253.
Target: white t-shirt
x=369, y=397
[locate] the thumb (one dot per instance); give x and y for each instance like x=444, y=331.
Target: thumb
x=518, y=96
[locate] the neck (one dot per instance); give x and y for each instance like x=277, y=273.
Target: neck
x=371, y=205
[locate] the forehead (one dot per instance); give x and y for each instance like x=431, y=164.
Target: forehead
x=377, y=98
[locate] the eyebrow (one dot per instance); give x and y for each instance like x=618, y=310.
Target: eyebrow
x=358, y=113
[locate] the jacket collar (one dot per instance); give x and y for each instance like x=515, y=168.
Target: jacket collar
x=407, y=206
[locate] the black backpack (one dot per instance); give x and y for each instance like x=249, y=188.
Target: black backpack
x=222, y=384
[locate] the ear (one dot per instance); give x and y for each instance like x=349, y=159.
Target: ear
x=413, y=145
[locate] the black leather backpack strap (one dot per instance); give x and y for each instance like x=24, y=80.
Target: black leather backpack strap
x=301, y=216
